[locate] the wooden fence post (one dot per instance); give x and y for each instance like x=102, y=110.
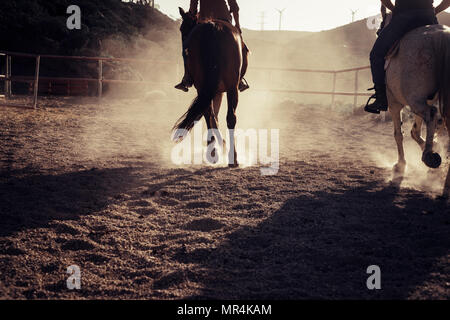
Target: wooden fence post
x=100, y=78
x=36, y=81
x=178, y=77
x=333, y=97
x=8, y=89
x=355, y=104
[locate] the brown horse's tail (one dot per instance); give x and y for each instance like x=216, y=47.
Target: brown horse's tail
x=442, y=49
x=210, y=67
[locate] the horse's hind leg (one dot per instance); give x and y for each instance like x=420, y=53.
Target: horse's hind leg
x=217, y=102
x=430, y=158
x=395, y=109
x=233, y=98
x=213, y=131
x=416, y=132
x=447, y=181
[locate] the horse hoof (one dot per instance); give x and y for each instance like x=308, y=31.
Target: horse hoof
x=212, y=157
x=432, y=160
x=399, y=168
x=233, y=165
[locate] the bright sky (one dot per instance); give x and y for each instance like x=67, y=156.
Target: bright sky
x=302, y=15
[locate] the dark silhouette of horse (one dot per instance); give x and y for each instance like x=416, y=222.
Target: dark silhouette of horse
x=214, y=61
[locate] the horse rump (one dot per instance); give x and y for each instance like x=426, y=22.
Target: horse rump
x=442, y=49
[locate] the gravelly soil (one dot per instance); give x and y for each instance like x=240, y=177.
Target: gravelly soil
x=89, y=184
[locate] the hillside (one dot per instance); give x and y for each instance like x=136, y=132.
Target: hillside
x=112, y=28
x=39, y=26
x=343, y=47
x=116, y=28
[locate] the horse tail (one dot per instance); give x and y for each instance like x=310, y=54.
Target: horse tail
x=442, y=49
x=210, y=68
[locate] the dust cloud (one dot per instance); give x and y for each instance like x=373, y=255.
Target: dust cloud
x=417, y=175
x=136, y=119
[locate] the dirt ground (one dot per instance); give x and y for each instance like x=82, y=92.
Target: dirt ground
x=91, y=184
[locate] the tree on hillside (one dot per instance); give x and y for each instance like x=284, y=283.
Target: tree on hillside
x=150, y=3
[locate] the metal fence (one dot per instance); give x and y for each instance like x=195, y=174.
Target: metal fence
x=333, y=93
x=8, y=77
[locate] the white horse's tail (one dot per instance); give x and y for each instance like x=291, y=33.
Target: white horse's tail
x=442, y=50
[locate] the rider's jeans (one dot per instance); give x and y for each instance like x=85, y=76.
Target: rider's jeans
x=400, y=25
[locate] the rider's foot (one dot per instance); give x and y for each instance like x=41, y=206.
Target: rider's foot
x=243, y=85
x=181, y=86
x=380, y=103
x=185, y=84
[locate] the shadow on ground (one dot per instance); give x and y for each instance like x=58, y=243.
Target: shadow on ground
x=320, y=247
x=33, y=200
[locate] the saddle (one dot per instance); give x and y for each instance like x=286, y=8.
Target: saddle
x=229, y=25
x=219, y=21
x=391, y=54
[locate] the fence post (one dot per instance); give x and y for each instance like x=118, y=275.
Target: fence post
x=8, y=89
x=36, y=80
x=356, y=88
x=100, y=78
x=334, y=90
x=178, y=77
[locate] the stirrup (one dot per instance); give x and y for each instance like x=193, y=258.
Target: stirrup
x=243, y=85
x=181, y=86
x=367, y=109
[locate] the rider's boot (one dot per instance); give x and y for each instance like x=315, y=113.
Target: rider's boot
x=243, y=85
x=380, y=103
x=185, y=84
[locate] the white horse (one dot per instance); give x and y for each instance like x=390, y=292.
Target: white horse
x=418, y=75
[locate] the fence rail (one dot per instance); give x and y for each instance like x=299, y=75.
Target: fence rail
x=332, y=93
x=8, y=78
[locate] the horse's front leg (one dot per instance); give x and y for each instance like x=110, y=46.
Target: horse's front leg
x=416, y=132
x=430, y=158
x=395, y=109
x=211, y=155
x=233, y=99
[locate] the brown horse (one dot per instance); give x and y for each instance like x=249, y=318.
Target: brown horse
x=214, y=61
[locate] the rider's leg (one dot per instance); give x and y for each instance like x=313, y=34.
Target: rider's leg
x=399, y=26
x=187, y=81
x=387, y=38
x=243, y=85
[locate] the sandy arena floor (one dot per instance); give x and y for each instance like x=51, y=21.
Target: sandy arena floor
x=89, y=184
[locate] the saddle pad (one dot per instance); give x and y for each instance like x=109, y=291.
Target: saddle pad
x=391, y=54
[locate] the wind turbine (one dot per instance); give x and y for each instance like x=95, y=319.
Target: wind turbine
x=281, y=17
x=353, y=14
